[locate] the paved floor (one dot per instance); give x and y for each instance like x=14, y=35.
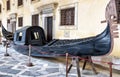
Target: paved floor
x=15, y=66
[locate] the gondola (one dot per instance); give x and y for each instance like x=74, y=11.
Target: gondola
x=93, y=46
x=34, y=35
x=8, y=35
x=98, y=45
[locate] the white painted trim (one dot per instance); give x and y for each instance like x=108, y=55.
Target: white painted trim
x=43, y=23
x=71, y=27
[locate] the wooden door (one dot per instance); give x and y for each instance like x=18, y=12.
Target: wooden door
x=49, y=26
x=13, y=26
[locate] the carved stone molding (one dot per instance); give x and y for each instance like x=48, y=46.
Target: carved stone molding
x=13, y=16
x=47, y=8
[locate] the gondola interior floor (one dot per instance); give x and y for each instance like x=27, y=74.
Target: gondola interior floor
x=15, y=66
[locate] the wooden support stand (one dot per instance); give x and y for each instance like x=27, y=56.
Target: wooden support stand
x=76, y=59
x=88, y=59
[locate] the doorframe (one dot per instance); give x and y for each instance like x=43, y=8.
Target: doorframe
x=44, y=16
x=13, y=25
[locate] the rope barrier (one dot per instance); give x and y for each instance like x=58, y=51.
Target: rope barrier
x=97, y=61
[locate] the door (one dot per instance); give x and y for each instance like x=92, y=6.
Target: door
x=13, y=24
x=49, y=26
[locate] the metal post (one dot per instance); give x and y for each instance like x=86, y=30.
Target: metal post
x=66, y=64
x=110, y=68
x=29, y=64
x=6, y=46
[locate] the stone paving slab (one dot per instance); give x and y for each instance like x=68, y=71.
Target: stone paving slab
x=15, y=66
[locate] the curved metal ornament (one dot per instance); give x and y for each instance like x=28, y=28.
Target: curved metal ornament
x=112, y=18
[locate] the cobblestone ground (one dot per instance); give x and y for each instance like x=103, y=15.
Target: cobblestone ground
x=15, y=66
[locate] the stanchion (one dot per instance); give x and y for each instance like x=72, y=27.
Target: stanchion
x=6, y=51
x=66, y=64
x=29, y=64
x=110, y=68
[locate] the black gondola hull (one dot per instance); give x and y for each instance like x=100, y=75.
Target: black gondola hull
x=91, y=46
